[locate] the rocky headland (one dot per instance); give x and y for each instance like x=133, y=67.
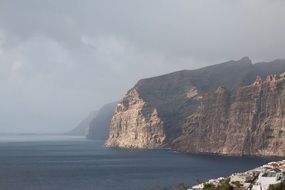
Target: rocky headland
x=234, y=108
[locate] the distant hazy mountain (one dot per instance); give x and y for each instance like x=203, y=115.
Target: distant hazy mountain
x=220, y=109
x=83, y=127
x=99, y=125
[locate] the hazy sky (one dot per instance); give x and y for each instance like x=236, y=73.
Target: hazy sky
x=61, y=59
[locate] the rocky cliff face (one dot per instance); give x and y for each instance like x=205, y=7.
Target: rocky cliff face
x=136, y=124
x=164, y=111
x=249, y=121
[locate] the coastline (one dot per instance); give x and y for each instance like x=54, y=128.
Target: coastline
x=260, y=178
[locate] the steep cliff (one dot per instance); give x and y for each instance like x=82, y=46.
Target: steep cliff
x=83, y=127
x=136, y=124
x=153, y=113
x=99, y=125
x=249, y=121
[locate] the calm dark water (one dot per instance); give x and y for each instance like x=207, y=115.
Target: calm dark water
x=68, y=163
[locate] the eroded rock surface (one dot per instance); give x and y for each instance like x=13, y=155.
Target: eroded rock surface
x=136, y=124
x=249, y=121
x=189, y=111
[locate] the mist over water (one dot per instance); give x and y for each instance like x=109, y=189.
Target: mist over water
x=18, y=138
x=73, y=163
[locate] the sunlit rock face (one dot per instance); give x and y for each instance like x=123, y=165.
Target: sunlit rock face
x=249, y=121
x=136, y=124
x=185, y=110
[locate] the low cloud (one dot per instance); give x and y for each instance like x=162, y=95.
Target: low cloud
x=60, y=60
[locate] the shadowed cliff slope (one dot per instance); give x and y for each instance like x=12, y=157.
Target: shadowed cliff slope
x=83, y=127
x=99, y=125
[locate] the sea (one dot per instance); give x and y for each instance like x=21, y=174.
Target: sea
x=53, y=162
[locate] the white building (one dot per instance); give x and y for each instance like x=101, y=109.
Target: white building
x=267, y=178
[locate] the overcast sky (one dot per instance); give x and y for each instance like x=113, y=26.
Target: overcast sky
x=61, y=59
